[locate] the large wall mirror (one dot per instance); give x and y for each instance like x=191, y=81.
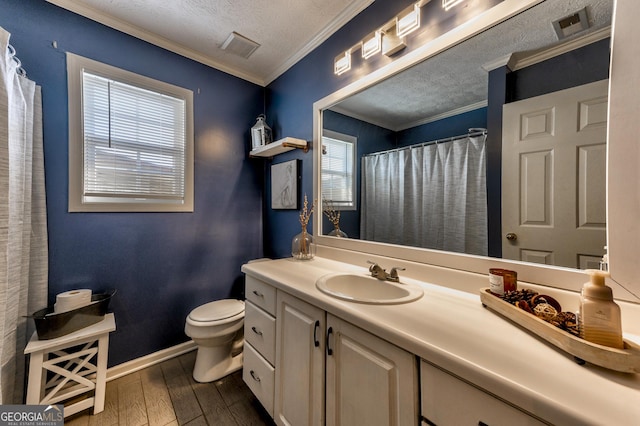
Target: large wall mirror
x=437, y=164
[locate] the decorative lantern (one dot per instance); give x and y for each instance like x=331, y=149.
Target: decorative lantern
x=260, y=133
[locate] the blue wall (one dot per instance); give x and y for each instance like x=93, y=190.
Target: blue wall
x=162, y=264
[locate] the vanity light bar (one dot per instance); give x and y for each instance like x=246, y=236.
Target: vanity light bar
x=372, y=44
x=408, y=21
x=342, y=63
x=395, y=30
x=448, y=4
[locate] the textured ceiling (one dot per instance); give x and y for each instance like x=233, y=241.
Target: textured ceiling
x=455, y=79
x=286, y=29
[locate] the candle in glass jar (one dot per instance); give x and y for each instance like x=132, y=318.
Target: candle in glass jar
x=502, y=281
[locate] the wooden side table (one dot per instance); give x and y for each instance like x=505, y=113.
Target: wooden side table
x=69, y=366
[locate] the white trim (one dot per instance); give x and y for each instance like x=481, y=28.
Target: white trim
x=519, y=60
x=443, y=115
x=528, y=59
x=405, y=126
x=154, y=358
x=137, y=32
x=76, y=65
x=347, y=15
x=153, y=38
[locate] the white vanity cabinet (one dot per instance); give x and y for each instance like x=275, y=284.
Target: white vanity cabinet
x=300, y=343
x=369, y=381
x=448, y=400
x=364, y=379
x=260, y=333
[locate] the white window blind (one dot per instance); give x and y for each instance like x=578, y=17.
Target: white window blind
x=338, y=184
x=130, y=141
x=134, y=142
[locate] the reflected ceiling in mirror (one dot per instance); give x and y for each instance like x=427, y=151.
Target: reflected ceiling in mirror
x=455, y=83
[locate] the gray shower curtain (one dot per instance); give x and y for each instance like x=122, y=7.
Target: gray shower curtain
x=23, y=224
x=432, y=196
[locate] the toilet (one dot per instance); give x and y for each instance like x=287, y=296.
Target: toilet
x=217, y=330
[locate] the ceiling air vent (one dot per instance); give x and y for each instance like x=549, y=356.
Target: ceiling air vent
x=572, y=24
x=239, y=45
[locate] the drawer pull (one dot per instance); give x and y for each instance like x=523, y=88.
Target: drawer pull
x=316, y=342
x=329, y=333
x=255, y=330
x=254, y=376
x=257, y=293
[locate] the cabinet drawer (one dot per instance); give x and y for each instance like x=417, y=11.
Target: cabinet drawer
x=261, y=294
x=447, y=400
x=259, y=375
x=260, y=331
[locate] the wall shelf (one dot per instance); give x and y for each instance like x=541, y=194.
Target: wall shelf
x=279, y=146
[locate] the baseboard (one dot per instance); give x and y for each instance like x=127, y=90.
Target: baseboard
x=149, y=360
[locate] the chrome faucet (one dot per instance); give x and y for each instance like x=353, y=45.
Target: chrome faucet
x=393, y=275
x=378, y=272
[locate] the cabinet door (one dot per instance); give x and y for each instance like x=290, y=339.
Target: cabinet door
x=447, y=400
x=299, y=393
x=369, y=381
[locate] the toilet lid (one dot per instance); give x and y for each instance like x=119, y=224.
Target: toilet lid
x=218, y=310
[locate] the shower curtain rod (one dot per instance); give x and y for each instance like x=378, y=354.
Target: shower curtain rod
x=475, y=131
x=12, y=54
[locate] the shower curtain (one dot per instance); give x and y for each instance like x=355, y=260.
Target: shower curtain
x=23, y=229
x=432, y=196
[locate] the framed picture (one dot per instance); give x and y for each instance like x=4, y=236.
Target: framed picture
x=284, y=185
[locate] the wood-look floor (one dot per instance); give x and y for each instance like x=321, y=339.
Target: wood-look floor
x=166, y=394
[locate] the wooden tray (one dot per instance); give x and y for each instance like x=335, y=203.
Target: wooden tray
x=626, y=360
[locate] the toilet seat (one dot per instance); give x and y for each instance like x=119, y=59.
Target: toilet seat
x=218, y=312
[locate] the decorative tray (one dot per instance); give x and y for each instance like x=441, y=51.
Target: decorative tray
x=626, y=360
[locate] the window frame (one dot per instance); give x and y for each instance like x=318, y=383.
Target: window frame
x=76, y=65
x=353, y=140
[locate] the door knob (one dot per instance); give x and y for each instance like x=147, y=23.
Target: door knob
x=511, y=236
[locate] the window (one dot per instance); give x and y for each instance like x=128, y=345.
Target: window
x=338, y=166
x=130, y=141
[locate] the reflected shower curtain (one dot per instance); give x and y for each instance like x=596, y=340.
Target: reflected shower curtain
x=23, y=226
x=432, y=196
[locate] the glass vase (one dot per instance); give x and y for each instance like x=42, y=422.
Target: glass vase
x=337, y=232
x=302, y=246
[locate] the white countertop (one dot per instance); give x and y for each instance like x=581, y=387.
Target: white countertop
x=452, y=329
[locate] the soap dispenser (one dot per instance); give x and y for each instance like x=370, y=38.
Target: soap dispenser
x=600, y=319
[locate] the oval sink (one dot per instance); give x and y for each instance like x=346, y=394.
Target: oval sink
x=366, y=289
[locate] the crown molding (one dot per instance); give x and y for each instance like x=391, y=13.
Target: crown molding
x=153, y=38
x=519, y=60
x=347, y=15
x=443, y=115
x=354, y=8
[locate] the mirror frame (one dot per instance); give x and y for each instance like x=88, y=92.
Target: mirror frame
x=559, y=277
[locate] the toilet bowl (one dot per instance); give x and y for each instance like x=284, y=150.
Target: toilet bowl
x=216, y=329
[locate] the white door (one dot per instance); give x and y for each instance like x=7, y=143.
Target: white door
x=369, y=381
x=299, y=387
x=554, y=177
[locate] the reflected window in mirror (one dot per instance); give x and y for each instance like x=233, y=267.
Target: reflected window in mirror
x=338, y=170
